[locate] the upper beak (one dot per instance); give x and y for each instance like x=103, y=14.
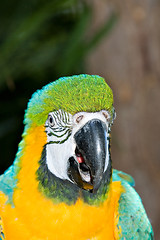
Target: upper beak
x=91, y=142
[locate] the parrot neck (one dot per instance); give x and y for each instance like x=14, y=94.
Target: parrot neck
x=60, y=190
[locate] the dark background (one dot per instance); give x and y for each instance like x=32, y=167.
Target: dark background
x=41, y=41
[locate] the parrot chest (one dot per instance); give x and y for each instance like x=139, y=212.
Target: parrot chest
x=44, y=220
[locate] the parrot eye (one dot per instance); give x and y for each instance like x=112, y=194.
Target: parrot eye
x=51, y=121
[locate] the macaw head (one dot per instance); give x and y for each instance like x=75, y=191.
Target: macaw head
x=77, y=113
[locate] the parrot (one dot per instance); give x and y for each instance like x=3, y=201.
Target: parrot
x=61, y=184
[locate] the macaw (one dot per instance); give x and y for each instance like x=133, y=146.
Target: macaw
x=61, y=184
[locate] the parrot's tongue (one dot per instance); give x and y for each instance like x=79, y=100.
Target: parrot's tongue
x=83, y=168
x=80, y=158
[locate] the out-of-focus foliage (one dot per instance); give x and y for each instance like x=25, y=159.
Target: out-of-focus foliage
x=39, y=42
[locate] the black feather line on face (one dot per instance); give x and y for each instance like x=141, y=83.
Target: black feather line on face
x=63, y=134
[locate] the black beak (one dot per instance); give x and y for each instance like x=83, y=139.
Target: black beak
x=91, y=141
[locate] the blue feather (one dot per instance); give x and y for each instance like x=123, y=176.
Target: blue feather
x=133, y=220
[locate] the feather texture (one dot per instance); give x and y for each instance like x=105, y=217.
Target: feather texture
x=36, y=205
x=132, y=216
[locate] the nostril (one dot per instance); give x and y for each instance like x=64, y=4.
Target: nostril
x=79, y=118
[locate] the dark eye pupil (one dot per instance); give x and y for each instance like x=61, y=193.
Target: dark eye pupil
x=51, y=120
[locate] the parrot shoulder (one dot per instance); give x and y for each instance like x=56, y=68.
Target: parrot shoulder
x=8, y=182
x=121, y=176
x=133, y=220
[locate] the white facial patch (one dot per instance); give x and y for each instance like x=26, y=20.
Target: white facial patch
x=59, y=142
x=57, y=157
x=61, y=128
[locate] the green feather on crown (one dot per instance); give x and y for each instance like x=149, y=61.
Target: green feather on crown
x=89, y=93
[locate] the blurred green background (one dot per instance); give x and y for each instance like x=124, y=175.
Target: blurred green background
x=41, y=41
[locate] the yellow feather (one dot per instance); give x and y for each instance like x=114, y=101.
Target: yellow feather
x=35, y=217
